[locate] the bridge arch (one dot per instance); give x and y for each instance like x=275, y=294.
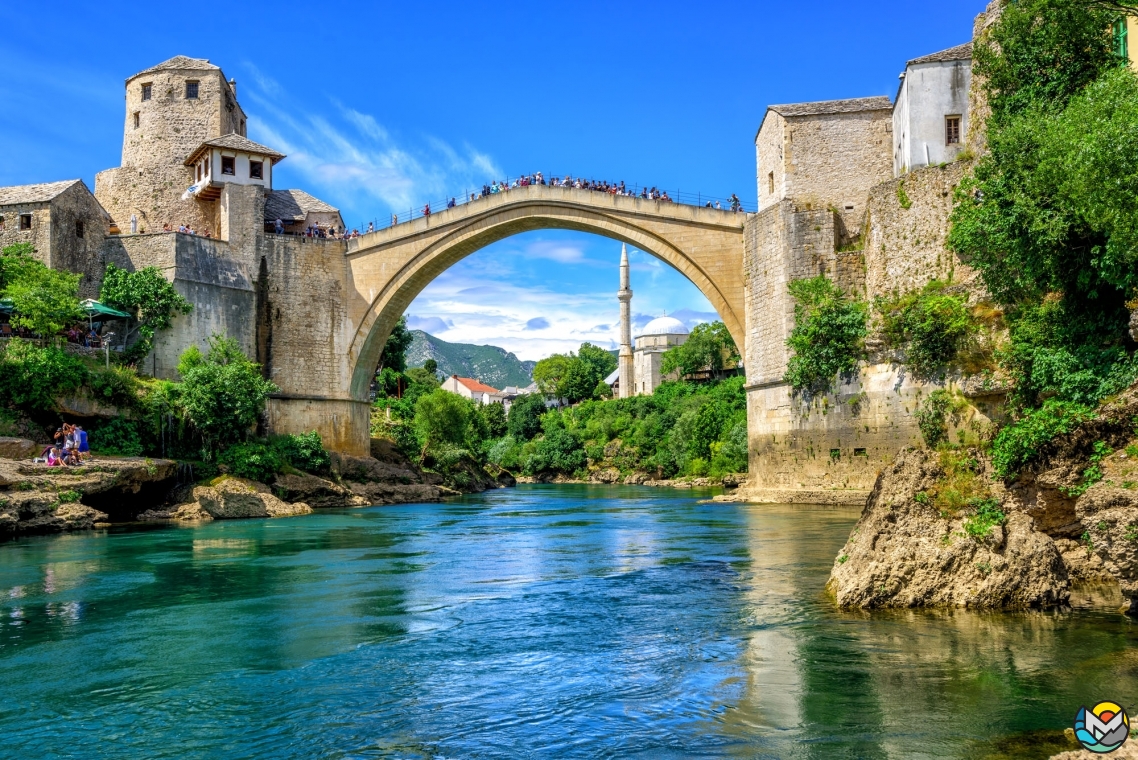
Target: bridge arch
x=393, y=266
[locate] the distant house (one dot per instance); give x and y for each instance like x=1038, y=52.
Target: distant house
x=930, y=115
x=472, y=389
x=298, y=211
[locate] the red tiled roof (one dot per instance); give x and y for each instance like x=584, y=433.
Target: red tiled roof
x=473, y=385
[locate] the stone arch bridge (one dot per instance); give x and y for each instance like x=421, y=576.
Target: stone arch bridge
x=326, y=308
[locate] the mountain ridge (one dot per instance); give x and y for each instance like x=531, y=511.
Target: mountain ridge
x=488, y=364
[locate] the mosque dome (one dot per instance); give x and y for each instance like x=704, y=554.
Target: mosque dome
x=664, y=326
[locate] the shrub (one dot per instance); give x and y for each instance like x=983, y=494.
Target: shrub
x=730, y=454
x=1017, y=444
x=118, y=386
x=117, y=437
x=525, y=415
x=31, y=376
x=442, y=419
x=44, y=300
x=223, y=394
x=932, y=417
x=256, y=461
x=828, y=336
x=557, y=452
x=986, y=514
x=304, y=451
x=930, y=326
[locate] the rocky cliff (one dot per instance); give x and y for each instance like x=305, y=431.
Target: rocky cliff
x=940, y=530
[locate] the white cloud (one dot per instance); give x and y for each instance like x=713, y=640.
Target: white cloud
x=352, y=159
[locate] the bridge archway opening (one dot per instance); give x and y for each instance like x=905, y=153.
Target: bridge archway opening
x=391, y=269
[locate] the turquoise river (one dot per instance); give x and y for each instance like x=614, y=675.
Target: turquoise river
x=541, y=621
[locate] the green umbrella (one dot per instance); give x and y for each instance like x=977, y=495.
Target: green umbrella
x=93, y=308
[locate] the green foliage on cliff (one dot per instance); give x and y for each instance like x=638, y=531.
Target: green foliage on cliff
x=1018, y=444
x=828, y=337
x=932, y=417
x=929, y=326
x=254, y=460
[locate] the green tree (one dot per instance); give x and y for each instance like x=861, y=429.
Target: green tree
x=708, y=347
x=148, y=297
x=549, y=374
x=494, y=416
x=828, y=336
x=442, y=417
x=431, y=366
x=525, y=416
x=422, y=376
x=44, y=300
x=600, y=362
x=222, y=393
x=13, y=259
x=394, y=354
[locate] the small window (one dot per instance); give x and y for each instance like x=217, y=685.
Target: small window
x=860, y=453
x=835, y=454
x=191, y=90
x=951, y=130
x=199, y=172
x=256, y=170
x=227, y=165
x=1, y=224
x=242, y=127
x=849, y=207
x=147, y=91
x=25, y=221
x=770, y=182
x=79, y=228
x=137, y=119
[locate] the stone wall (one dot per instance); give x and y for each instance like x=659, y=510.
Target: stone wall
x=40, y=233
x=771, y=175
x=829, y=161
x=71, y=250
x=905, y=247
x=154, y=195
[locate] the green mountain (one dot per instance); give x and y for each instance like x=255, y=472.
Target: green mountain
x=488, y=364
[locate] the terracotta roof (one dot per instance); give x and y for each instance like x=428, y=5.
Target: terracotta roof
x=958, y=53
x=180, y=63
x=40, y=193
x=234, y=141
x=293, y=205
x=851, y=105
x=475, y=386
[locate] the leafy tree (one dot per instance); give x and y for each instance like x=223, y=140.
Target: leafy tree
x=494, y=416
x=828, y=336
x=222, y=393
x=931, y=327
x=394, y=354
x=441, y=418
x=304, y=451
x=600, y=362
x=431, y=366
x=422, y=376
x=549, y=374
x=32, y=376
x=148, y=297
x=13, y=259
x=525, y=416
x=45, y=300
x=709, y=346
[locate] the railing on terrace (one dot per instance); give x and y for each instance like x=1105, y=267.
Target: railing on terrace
x=677, y=196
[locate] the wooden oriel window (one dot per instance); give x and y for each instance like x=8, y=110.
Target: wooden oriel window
x=228, y=165
x=256, y=170
x=951, y=130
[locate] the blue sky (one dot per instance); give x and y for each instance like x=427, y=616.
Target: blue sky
x=385, y=106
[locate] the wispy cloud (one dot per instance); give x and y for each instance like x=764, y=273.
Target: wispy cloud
x=538, y=323
x=352, y=160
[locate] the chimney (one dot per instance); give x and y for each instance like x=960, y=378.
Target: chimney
x=233, y=86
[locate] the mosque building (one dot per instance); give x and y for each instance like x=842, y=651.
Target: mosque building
x=638, y=366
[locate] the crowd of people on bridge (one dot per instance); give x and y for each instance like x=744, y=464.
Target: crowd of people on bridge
x=577, y=183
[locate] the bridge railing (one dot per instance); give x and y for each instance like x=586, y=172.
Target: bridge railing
x=678, y=195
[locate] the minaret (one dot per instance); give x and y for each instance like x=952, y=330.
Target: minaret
x=627, y=381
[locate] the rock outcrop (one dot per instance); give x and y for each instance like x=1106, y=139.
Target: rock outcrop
x=35, y=498
x=904, y=552
x=236, y=498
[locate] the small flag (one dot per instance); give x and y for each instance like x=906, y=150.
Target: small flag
x=189, y=192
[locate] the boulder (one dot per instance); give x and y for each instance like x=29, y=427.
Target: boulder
x=19, y=448
x=43, y=512
x=905, y=553
x=1110, y=516
x=236, y=498
x=315, y=491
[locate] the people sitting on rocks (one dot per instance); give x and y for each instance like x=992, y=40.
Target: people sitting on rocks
x=54, y=458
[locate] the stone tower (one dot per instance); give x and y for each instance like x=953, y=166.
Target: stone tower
x=624, y=360
x=171, y=109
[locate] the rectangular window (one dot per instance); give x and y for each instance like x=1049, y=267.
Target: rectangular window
x=147, y=91
x=79, y=229
x=1, y=224
x=1121, y=43
x=860, y=453
x=227, y=165
x=835, y=454
x=256, y=170
x=137, y=119
x=191, y=90
x=951, y=130
x=199, y=172
x=770, y=182
x=25, y=221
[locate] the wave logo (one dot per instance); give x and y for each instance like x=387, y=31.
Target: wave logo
x=1103, y=728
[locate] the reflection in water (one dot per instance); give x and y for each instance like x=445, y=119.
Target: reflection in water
x=567, y=621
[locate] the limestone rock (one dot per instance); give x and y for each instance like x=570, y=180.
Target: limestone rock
x=19, y=448
x=1110, y=516
x=315, y=491
x=235, y=498
x=903, y=553
x=42, y=512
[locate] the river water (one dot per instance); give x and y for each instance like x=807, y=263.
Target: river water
x=541, y=621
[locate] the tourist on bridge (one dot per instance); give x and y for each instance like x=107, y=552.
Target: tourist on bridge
x=427, y=210
x=451, y=203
